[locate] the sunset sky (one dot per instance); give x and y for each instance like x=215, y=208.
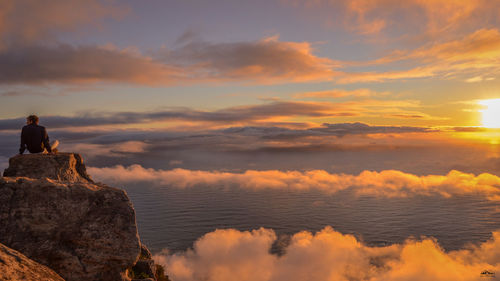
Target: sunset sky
x=383, y=98
x=375, y=74
x=288, y=73
x=285, y=63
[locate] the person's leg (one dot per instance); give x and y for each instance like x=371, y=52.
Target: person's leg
x=54, y=144
x=53, y=147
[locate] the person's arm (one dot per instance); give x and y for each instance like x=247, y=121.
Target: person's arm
x=22, y=148
x=45, y=139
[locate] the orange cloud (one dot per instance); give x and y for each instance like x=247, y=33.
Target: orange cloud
x=264, y=61
x=417, y=72
x=423, y=17
x=389, y=183
x=68, y=64
x=225, y=255
x=480, y=45
x=359, y=10
x=472, y=55
x=25, y=21
x=30, y=52
x=443, y=15
x=278, y=113
x=341, y=93
x=438, y=15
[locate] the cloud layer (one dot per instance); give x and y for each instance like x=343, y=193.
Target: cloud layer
x=469, y=58
x=23, y=22
x=264, y=61
x=431, y=18
x=267, y=61
x=30, y=52
x=225, y=255
x=389, y=183
x=268, y=114
x=65, y=63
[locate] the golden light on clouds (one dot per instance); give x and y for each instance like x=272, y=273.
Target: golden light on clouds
x=491, y=113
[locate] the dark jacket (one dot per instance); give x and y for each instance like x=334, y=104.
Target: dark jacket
x=34, y=138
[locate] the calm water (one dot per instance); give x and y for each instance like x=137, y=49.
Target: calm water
x=174, y=218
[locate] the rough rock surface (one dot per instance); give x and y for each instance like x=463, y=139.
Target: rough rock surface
x=145, y=253
x=61, y=167
x=16, y=266
x=145, y=267
x=81, y=230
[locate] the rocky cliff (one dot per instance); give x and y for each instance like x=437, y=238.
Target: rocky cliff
x=61, y=167
x=52, y=212
x=16, y=266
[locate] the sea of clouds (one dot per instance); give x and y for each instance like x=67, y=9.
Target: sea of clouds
x=387, y=183
x=227, y=255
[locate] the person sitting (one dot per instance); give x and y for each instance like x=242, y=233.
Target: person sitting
x=35, y=138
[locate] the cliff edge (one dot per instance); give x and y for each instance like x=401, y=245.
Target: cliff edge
x=16, y=266
x=60, y=167
x=52, y=212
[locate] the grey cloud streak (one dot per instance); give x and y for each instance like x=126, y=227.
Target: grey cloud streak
x=337, y=129
x=243, y=139
x=65, y=63
x=344, y=147
x=30, y=52
x=265, y=60
x=24, y=22
x=239, y=113
x=262, y=61
x=225, y=116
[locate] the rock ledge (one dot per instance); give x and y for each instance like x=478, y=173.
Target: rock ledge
x=61, y=167
x=53, y=213
x=16, y=266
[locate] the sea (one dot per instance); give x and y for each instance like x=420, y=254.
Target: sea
x=174, y=218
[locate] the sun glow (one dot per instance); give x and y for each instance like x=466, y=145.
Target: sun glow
x=491, y=113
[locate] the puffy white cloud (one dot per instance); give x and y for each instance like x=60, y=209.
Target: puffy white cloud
x=327, y=256
x=388, y=183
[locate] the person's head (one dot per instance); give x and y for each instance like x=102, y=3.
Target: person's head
x=32, y=119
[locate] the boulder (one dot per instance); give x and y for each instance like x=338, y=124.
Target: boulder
x=16, y=266
x=52, y=212
x=61, y=167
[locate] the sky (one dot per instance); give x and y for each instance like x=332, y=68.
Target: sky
x=382, y=97
x=422, y=63
x=375, y=83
